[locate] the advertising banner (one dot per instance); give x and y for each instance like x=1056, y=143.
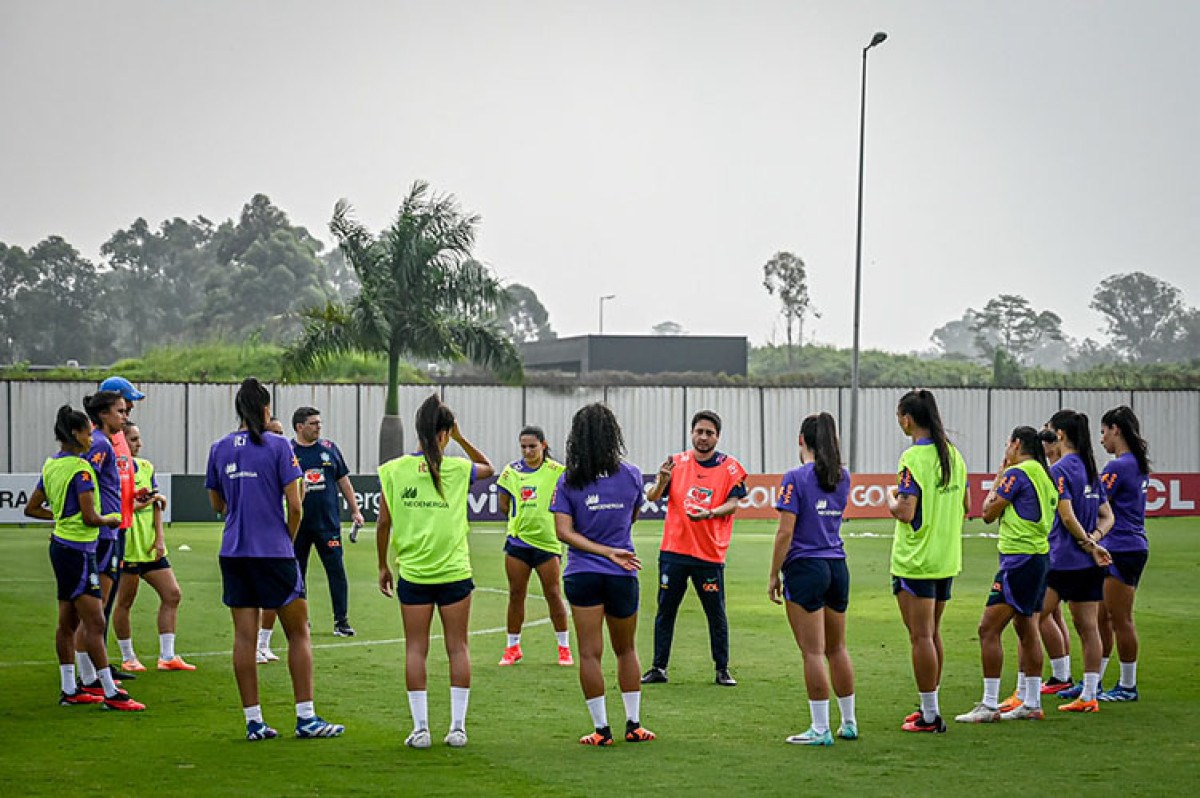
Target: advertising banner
x=16, y=488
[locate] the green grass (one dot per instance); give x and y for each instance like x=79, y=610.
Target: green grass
x=524, y=721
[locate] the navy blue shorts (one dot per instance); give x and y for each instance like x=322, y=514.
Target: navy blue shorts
x=108, y=556
x=937, y=589
x=1128, y=566
x=814, y=583
x=143, y=568
x=264, y=582
x=617, y=594
x=1083, y=584
x=531, y=556
x=441, y=593
x=75, y=572
x=1023, y=588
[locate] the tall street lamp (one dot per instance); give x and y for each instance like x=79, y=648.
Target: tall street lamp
x=877, y=39
x=604, y=299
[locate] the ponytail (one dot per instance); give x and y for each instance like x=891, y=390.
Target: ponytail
x=252, y=399
x=1075, y=427
x=820, y=435
x=67, y=423
x=921, y=405
x=1031, y=445
x=98, y=403
x=433, y=418
x=1124, y=419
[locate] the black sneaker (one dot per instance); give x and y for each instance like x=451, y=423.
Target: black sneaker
x=121, y=675
x=936, y=726
x=342, y=629
x=724, y=679
x=655, y=676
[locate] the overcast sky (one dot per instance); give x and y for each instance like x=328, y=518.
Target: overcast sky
x=659, y=151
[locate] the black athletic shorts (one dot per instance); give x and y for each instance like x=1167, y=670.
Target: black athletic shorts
x=108, y=557
x=938, y=589
x=1082, y=584
x=531, y=556
x=814, y=583
x=75, y=572
x=618, y=594
x=1023, y=588
x=265, y=582
x=440, y=593
x=143, y=568
x=1128, y=566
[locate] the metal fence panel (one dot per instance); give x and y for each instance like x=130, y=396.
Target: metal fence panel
x=783, y=410
x=741, y=415
x=652, y=420
x=490, y=417
x=6, y=448
x=162, y=419
x=339, y=414
x=1171, y=426
x=211, y=416
x=965, y=417
x=552, y=408
x=1013, y=408
x=34, y=406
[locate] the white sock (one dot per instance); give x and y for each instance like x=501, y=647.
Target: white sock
x=929, y=706
x=1103, y=667
x=264, y=638
x=564, y=639
x=459, y=696
x=83, y=664
x=1060, y=668
x=1020, y=691
x=633, y=706
x=67, y=672
x=1128, y=674
x=1090, y=682
x=126, y=647
x=106, y=681
x=820, y=715
x=846, y=708
x=514, y=640
x=991, y=693
x=418, y=706
x=253, y=714
x=1033, y=692
x=166, y=646
x=304, y=710
x=599, y=712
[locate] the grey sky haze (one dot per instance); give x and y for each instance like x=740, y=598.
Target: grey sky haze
x=659, y=151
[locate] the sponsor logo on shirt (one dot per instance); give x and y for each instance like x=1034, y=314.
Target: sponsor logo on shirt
x=822, y=507
x=231, y=471
x=325, y=457
x=593, y=503
x=699, y=495
x=592, y=499
x=315, y=479
x=408, y=493
x=528, y=493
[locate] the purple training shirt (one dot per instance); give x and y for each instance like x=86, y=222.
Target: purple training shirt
x=1070, y=479
x=108, y=479
x=603, y=513
x=818, y=513
x=251, y=478
x=1126, y=486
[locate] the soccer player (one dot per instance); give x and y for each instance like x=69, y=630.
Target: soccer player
x=422, y=531
x=1126, y=478
x=66, y=494
x=526, y=487
x=596, y=502
x=125, y=469
x=816, y=583
x=263, y=653
x=325, y=476
x=1077, y=562
x=703, y=487
x=929, y=504
x=1024, y=499
x=146, y=558
x=250, y=473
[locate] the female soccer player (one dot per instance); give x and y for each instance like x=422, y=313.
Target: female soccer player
x=595, y=505
x=1126, y=478
x=809, y=552
x=250, y=474
x=526, y=487
x=146, y=557
x=928, y=503
x=422, y=530
x=1024, y=498
x=66, y=494
x=1077, y=562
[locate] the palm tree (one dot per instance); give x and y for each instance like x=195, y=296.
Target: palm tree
x=422, y=295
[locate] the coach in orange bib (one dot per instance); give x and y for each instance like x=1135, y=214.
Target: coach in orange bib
x=703, y=487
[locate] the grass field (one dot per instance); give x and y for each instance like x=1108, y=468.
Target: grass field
x=524, y=720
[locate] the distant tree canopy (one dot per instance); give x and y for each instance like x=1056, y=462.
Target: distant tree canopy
x=524, y=316
x=785, y=277
x=1147, y=318
x=1009, y=323
x=668, y=328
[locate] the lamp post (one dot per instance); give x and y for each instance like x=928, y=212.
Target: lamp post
x=877, y=39
x=604, y=299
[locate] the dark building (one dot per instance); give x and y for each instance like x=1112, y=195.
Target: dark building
x=639, y=354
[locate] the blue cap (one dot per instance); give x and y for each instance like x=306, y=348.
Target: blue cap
x=123, y=387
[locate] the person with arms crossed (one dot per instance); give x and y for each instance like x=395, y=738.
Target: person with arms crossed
x=146, y=558
x=703, y=487
x=250, y=473
x=66, y=494
x=422, y=531
x=263, y=654
x=929, y=503
x=596, y=502
x=525, y=489
x=815, y=582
